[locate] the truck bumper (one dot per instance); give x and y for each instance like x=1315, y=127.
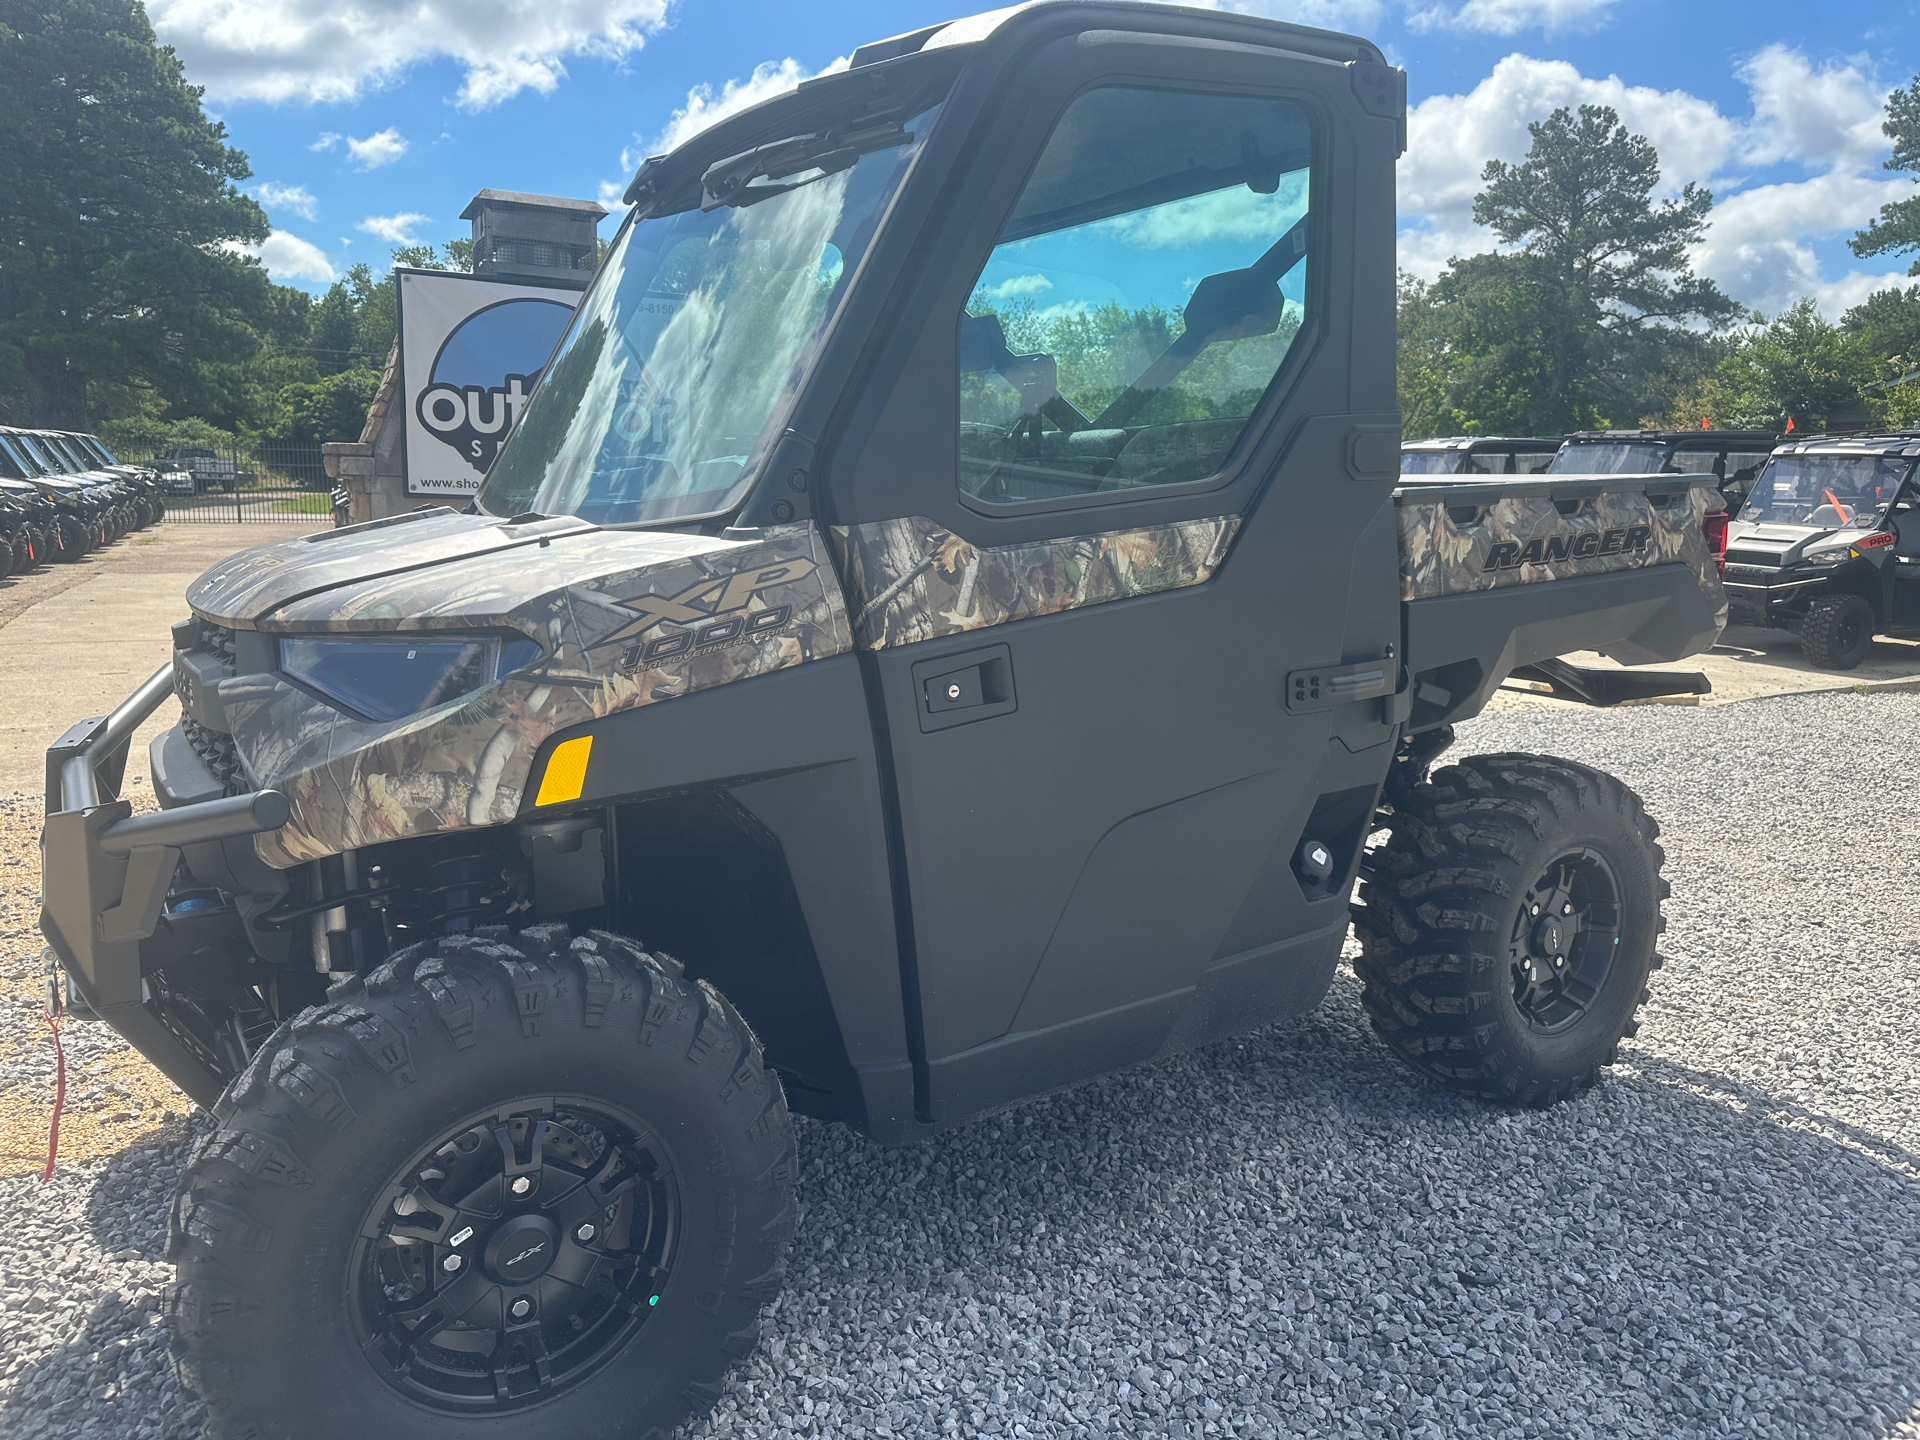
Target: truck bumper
x=105, y=876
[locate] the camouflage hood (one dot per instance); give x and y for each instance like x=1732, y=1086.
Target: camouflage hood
x=623, y=617
x=261, y=589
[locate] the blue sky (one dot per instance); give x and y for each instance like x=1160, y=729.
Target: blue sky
x=369, y=122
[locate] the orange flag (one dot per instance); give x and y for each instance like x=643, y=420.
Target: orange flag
x=1789, y=425
x=1703, y=423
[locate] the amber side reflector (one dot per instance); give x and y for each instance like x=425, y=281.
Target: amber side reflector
x=566, y=773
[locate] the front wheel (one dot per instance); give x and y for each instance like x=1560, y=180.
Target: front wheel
x=507, y=1186
x=1507, y=929
x=1838, y=631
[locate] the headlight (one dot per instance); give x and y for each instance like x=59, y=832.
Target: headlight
x=1828, y=557
x=389, y=677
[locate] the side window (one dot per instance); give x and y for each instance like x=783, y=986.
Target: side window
x=1709, y=461
x=1142, y=295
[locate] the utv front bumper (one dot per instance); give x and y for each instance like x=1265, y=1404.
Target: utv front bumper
x=1761, y=596
x=105, y=877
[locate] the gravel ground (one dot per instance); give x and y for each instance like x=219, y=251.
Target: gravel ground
x=1290, y=1234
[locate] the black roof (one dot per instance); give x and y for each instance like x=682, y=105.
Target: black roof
x=1747, y=439
x=1541, y=443
x=1895, y=442
x=536, y=202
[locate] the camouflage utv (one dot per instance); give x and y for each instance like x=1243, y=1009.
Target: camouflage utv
x=858, y=689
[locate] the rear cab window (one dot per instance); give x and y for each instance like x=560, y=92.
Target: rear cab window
x=1146, y=289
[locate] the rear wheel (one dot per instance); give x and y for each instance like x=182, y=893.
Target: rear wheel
x=1507, y=930
x=1838, y=631
x=510, y=1185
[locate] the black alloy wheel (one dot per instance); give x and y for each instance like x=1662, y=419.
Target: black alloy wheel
x=1564, y=938
x=507, y=1263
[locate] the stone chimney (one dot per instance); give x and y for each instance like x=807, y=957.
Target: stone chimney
x=534, y=237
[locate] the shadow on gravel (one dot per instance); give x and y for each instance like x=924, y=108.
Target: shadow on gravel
x=95, y=1322
x=1285, y=1234
x=1290, y=1233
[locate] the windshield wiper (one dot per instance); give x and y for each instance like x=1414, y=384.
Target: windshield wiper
x=783, y=165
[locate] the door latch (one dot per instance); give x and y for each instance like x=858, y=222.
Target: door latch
x=1325, y=686
x=958, y=689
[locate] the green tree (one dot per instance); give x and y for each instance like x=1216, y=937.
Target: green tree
x=333, y=331
x=332, y=408
x=118, y=213
x=1799, y=365
x=1598, y=287
x=1898, y=228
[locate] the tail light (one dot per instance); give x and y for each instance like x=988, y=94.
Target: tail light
x=1715, y=526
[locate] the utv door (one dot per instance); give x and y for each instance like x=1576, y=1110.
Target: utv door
x=1114, y=513
x=1903, y=567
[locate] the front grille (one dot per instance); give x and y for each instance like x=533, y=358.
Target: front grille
x=219, y=640
x=1754, y=557
x=219, y=754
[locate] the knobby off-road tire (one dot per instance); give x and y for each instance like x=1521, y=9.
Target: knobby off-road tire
x=1838, y=631
x=1507, y=930
x=603, y=1127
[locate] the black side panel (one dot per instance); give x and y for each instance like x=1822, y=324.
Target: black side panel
x=1460, y=647
x=795, y=750
x=706, y=881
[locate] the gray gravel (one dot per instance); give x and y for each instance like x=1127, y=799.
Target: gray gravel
x=1291, y=1234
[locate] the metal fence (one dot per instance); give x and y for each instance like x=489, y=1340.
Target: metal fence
x=274, y=483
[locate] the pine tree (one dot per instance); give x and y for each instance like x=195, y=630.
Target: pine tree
x=119, y=210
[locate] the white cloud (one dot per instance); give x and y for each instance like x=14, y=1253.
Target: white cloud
x=1018, y=285
x=326, y=140
x=704, y=108
x=1830, y=116
x=308, y=51
x=1237, y=213
x=1758, y=245
x=394, y=229
x=1510, y=17
x=383, y=147
x=295, y=199
x=288, y=257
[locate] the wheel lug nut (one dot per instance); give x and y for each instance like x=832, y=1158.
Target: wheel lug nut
x=520, y=1308
x=585, y=1233
x=450, y=1264
x=1566, y=909
x=1536, y=909
x=521, y=1185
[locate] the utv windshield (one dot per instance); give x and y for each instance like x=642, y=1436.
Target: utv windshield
x=686, y=354
x=1825, y=490
x=25, y=458
x=1608, y=458
x=1428, y=462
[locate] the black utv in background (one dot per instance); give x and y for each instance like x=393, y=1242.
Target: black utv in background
x=1827, y=545
x=858, y=690
x=1478, y=455
x=1733, y=457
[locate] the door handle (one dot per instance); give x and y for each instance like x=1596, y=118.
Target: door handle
x=1325, y=686
x=959, y=689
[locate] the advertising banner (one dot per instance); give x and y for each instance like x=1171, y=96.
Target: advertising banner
x=471, y=348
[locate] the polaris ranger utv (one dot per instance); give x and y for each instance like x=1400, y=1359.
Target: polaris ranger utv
x=943, y=628
x=1827, y=545
x=1734, y=456
x=1479, y=455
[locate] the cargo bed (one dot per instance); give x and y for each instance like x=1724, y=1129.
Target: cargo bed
x=1497, y=573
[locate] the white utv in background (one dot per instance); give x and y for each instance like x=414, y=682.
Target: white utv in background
x=1827, y=545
